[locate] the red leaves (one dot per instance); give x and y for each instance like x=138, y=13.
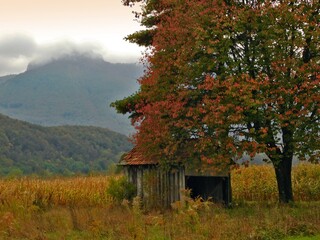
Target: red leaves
x=261, y=82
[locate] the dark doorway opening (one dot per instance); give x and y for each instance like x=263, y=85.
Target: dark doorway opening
x=207, y=187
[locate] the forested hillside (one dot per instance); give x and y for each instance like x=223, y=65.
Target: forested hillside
x=31, y=149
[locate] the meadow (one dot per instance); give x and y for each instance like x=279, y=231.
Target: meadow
x=83, y=208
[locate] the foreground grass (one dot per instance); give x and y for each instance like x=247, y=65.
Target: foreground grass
x=195, y=220
x=304, y=238
x=79, y=208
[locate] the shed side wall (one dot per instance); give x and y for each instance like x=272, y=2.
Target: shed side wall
x=155, y=186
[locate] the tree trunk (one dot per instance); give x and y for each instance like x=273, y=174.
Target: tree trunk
x=283, y=175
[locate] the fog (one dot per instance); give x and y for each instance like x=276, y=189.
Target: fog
x=18, y=50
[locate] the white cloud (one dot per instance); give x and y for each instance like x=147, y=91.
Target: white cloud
x=18, y=50
x=48, y=52
x=12, y=65
x=17, y=45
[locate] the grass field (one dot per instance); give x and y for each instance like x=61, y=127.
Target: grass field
x=80, y=208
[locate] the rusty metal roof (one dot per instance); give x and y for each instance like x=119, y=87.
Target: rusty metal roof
x=134, y=157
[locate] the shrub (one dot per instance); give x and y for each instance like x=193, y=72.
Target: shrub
x=120, y=189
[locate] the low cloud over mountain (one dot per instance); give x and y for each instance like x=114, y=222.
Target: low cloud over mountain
x=18, y=50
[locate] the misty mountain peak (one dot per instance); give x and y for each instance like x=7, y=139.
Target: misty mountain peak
x=72, y=58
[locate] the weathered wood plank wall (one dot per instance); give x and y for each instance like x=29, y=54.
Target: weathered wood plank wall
x=157, y=187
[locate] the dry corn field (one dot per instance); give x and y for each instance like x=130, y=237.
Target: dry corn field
x=255, y=183
x=258, y=183
x=80, y=208
x=78, y=191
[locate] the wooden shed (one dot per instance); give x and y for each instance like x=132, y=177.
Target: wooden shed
x=159, y=187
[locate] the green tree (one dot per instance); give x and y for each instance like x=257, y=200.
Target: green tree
x=227, y=78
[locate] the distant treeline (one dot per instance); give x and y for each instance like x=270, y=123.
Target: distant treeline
x=27, y=149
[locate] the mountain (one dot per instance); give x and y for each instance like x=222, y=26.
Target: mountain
x=74, y=90
x=31, y=149
x=6, y=78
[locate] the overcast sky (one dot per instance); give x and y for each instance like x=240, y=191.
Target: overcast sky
x=37, y=30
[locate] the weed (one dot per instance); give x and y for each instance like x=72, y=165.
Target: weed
x=120, y=189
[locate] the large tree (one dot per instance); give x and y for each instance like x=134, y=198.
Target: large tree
x=227, y=78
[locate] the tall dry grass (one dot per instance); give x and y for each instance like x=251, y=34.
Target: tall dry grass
x=254, y=183
x=80, y=208
x=72, y=192
x=258, y=183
